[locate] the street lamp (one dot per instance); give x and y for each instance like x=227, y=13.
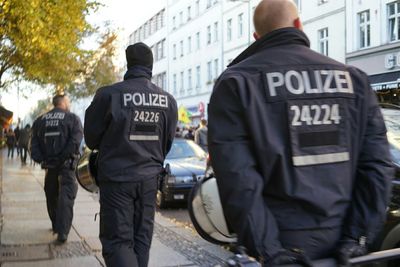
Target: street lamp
x=248, y=15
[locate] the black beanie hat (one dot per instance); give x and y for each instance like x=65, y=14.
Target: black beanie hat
x=139, y=54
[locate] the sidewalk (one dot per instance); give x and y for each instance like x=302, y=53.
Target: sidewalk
x=26, y=238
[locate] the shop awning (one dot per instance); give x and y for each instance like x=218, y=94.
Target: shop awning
x=5, y=117
x=383, y=81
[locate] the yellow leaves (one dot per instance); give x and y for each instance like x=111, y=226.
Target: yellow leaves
x=45, y=36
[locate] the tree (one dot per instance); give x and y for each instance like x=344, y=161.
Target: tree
x=39, y=40
x=42, y=106
x=100, y=69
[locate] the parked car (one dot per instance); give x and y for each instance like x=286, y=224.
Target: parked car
x=185, y=164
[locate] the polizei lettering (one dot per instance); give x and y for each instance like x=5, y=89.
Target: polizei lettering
x=54, y=116
x=145, y=100
x=309, y=82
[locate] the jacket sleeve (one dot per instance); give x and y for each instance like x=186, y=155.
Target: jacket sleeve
x=96, y=119
x=75, y=137
x=36, y=152
x=172, y=121
x=239, y=181
x=374, y=173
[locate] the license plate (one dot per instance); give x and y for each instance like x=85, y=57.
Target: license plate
x=179, y=196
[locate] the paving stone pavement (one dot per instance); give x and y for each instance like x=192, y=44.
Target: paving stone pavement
x=26, y=239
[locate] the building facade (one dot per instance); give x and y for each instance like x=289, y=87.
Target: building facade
x=154, y=33
x=324, y=23
x=194, y=40
x=373, y=44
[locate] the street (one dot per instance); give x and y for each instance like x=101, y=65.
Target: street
x=178, y=214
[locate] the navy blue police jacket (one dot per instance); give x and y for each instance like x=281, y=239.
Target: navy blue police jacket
x=297, y=141
x=132, y=123
x=56, y=137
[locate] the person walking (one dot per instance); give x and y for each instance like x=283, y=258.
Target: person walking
x=299, y=147
x=132, y=124
x=11, y=142
x=55, y=141
x=200, y=135
x=24, y=140
x=17, y=132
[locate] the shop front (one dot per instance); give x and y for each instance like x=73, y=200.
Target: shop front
x=382, y=65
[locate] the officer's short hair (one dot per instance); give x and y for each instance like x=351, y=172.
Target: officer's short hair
x=203, y=122
x=57, y=99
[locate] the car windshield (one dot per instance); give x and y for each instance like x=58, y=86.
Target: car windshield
x=182, y=149
x=392, y=122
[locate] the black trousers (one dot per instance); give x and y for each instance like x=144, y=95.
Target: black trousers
x=60, y=187
x=126, y=222
x=24, y=150
x=10, y=151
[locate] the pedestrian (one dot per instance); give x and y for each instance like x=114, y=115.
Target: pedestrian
x=24, y=139
x=55, y=141
x=132, y=124
x=189, y=135
x=200, y=135
x=299, y=147
x=17, y=132
x=11, y=142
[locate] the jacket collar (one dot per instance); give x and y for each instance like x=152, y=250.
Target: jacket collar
x=137, y=72
x=278, y=37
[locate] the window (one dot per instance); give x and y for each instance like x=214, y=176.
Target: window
x=150, y=26
x=145, y=30
x=216, y=68
x=198, y=40
x=209, y=71
x=182, y=81
x=197, y=7
x=189, y=79
x=364, y=29
x=323, y=41
x=160, y=50
x=164, y=80
x=198, y=77
x=208, y=3
x=394, y=20
x=240, y=25
x=208, y=34
x=229, y=30
x=189, y=44
x=163, y=47
x=189, y=16
x=181, y=18
x=162, y=19
x=173, y=22
x=174, y=84
x=216, y=32
x=174, y=51
x=181, y=48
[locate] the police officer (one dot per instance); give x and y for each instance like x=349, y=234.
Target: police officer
x=299, y=147
x=132, y=124
x=55, y=141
